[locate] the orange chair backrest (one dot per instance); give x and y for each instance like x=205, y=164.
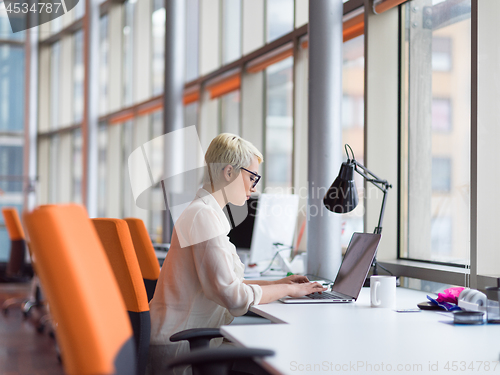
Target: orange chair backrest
x=13, y=223
x=92, y=324
x=117, y=242
x=144, y=249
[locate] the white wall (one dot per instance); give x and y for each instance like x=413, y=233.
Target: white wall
x=381, y=122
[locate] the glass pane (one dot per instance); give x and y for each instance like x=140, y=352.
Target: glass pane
x=11, y=201
x=56, y=25
x=78, y=77
x=54, y=169
x=158, y=28
x=55, y=64
x=156, y=164
x=279, y=18
x=77, y=166
x=191, y=114
x=279, y=127
x=11, y=88
x=127, y=145
x=192, y=39
x=230, y=112
x=128, y=51
x=6, y=29
x=79, y=10
x=436, y=132
x=103, y=64
x=353, y=127
x=102, y=140
x=11, y=165
x=231, y=30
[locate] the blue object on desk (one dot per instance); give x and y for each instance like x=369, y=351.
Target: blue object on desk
x=445, y=305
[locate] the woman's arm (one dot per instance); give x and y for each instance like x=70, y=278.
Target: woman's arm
x=293, y=279
x=274, y=292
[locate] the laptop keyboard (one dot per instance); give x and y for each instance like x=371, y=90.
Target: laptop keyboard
x=327, y=295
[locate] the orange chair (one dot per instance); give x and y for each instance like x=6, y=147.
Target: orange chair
x=17, y=270
x=150, y=268
x=16, y=266
x=117, y=242
x=92, y=327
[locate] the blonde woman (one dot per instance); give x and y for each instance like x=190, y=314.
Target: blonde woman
x=201, y=282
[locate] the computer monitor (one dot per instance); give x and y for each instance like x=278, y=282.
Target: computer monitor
x=241, y=235
x=275, y=222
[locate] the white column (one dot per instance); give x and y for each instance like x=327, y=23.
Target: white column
x=325, y=134
x=173, y=111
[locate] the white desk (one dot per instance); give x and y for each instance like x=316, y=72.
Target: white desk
x=351, y=337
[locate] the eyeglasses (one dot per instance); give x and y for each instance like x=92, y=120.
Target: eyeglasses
x=257, y=177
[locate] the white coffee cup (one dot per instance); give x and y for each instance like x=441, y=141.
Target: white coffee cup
x=383, y=291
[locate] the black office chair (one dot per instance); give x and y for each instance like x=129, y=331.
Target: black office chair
x=217, y=361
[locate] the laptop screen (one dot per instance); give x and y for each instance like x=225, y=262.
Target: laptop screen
x=356, y=264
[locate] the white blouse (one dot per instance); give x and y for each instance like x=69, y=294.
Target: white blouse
x=201, y=281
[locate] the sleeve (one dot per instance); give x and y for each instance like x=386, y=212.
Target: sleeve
x=214, y=265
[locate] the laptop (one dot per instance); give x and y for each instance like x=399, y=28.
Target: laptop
x=352, y=273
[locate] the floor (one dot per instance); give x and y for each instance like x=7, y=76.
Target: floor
x=23, y=350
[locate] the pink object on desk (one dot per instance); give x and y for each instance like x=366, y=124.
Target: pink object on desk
x=450, y=295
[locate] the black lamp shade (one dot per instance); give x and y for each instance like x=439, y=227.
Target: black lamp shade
x=342, y=197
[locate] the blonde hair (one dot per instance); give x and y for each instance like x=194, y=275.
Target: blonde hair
x=228, y=149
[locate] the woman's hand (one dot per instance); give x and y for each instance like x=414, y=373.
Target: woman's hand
x=299, y=290
x=293, y=279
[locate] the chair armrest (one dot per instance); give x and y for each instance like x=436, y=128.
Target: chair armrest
x=216, y=360
x=198, y=337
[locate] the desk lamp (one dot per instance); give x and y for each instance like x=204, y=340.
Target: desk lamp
x=342, y=196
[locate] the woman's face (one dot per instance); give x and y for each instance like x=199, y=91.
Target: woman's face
x=239, y=190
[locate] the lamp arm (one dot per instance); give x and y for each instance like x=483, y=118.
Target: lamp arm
x=383, y=185
x=378, y=182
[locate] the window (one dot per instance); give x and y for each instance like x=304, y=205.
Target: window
x=55, y=65
x=441, y=53
x=11, y=165
x=79, y=10
x=77, y=167
x=436, y=135
x=11, y=88
x=128, y=51
x=230, y=112
x=279, y=18
x=279, y=127
x=78, y=77
x=156, y=165
x=103, y=64
x=353, y=127
x=192, y=39
x=231, y=30
x=6, y=29
x=102, y=159
x=441, y=174
x=54, y=187
x=158, y=24
x=127, y=148
x=441, y=115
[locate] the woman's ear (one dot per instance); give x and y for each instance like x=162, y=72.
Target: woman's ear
x=228, y=172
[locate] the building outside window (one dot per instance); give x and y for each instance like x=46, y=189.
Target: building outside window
x=436, y=135
x=279, y=127
x=192, y=39
x=128, y=51
x=231, y=30
x=353, y=69
x=279, y=18
x=78, y=76
x=158, y=35
x=12, y=99
x=230, y=112
x=103, y=64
